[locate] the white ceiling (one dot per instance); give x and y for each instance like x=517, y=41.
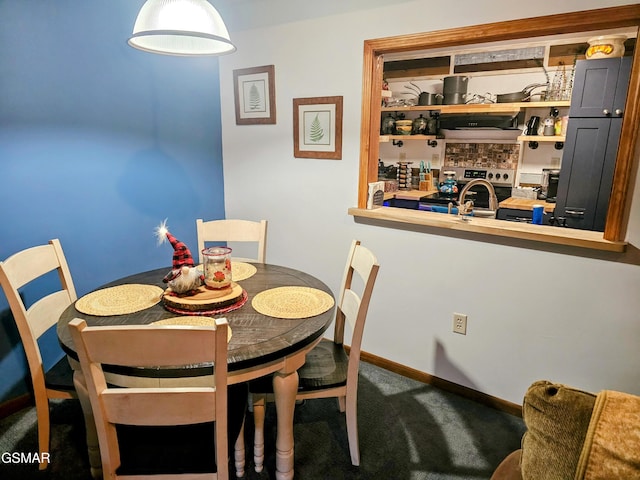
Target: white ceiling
x=249, y=14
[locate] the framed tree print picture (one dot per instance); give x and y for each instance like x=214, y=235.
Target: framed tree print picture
x=317, y=127
x=255, y=95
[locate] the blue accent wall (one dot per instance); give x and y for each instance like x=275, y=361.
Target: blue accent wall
x=99, y=143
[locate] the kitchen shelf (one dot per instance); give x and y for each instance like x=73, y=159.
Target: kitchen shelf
x=556, y=103
x=478, y=107
x=541, y=138
x=388, y=138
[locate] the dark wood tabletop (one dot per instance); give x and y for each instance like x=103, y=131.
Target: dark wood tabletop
x=257, y=339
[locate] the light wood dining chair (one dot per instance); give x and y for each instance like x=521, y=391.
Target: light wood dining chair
x=233, y=230
x=16, y=272
x=330, y=370
x=157, y=346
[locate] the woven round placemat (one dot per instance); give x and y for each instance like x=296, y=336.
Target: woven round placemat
x=292, y=302
x=120, y=300
x=241, y=271
x=192, y=322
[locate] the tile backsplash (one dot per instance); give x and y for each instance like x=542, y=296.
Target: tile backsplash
x=482, y=155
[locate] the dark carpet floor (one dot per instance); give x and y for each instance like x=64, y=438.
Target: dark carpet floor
x=408, y=431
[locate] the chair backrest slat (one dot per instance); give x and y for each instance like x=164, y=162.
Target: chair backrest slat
x=160, y=406
x=29, y=264
x=233, y=230
x=45, y=312
x=363, y=261
x=350, y=307
x=128, y=345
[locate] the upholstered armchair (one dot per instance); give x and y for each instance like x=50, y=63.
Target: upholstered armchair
x=576, y=435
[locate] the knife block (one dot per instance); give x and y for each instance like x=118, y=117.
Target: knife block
x=426, y=184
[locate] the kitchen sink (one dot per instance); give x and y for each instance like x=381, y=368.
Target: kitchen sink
x=477, y=212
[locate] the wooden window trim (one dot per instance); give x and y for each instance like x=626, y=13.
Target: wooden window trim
x=574, y=22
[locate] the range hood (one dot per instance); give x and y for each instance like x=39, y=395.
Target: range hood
x=465, y=121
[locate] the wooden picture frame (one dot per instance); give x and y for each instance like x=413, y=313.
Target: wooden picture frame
x=317, y=127
x=255, y=95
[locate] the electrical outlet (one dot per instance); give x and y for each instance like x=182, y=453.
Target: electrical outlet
x=460, y=323
x=435, y=158
x=402, y=156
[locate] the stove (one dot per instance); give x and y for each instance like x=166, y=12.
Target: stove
x=498, y=177
x=502, y=179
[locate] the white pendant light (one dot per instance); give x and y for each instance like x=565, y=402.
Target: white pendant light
x=181, y=27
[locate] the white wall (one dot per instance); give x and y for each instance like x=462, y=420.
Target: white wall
x=563, y=314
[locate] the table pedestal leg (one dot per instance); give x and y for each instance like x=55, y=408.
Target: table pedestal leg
x=95, y=462
x=285, y=387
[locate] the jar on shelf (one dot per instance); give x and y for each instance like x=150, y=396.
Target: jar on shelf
x=388, y=125
x=606, y=46
x=419, y=126
x=432, y=124
x=404, y=127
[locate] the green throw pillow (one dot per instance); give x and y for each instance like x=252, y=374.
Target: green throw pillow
x=557, y=418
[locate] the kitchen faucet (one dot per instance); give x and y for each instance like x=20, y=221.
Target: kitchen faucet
x=465, y=209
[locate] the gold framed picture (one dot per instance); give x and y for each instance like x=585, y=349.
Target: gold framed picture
x=255, y=95
x=317, y=127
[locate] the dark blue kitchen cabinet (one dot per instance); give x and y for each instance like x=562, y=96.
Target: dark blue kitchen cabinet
x=591, y=145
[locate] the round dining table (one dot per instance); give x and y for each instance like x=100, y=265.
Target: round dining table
x=260, y=345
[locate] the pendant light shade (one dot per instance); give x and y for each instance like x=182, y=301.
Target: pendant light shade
x=181, y=27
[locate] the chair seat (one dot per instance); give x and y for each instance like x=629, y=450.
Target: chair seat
x=325, y=367
x=60, y=376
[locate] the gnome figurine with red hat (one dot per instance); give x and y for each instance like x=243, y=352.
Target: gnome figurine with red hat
x=184, y=278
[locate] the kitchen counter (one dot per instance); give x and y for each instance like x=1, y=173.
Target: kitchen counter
x=409, y=194
x=526, y=204
x=488, y=226
x=413, y=194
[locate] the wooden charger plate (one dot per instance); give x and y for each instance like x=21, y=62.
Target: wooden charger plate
x=206, y=299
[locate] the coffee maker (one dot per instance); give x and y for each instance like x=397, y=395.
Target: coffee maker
x=550, y=179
